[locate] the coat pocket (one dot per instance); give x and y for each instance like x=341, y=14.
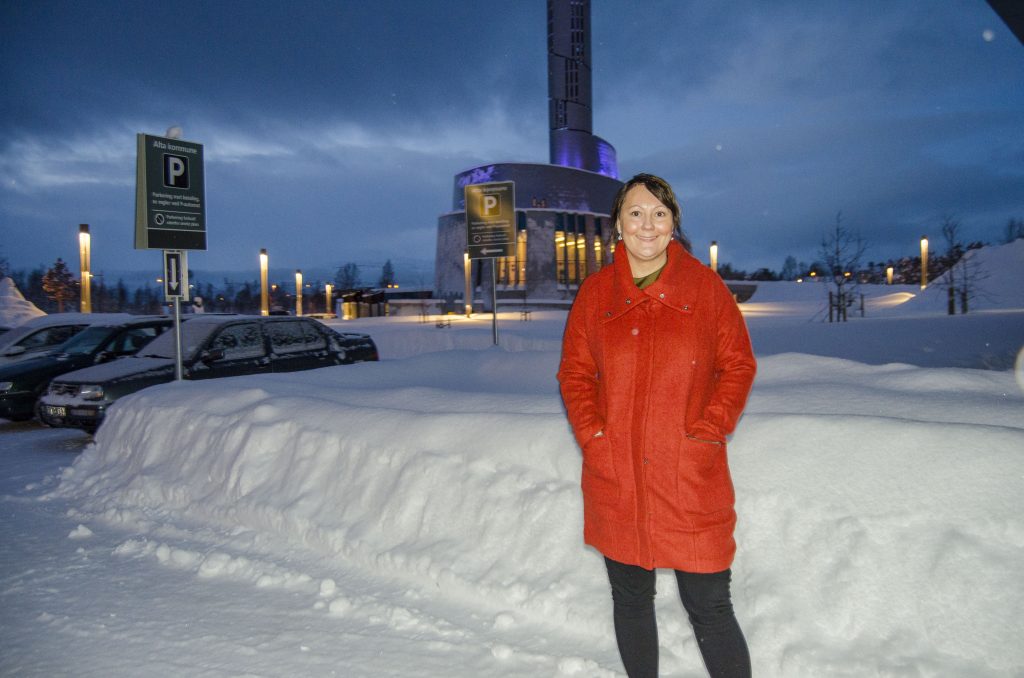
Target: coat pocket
x=599, y=479
x=703, y=480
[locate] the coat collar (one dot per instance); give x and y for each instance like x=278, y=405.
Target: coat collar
x=675, y=288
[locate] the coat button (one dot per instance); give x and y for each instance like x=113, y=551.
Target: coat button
x=661, y=296
x=608, y=314
x=646, y=460
x=629, y=301
x=635, y=331
x=686, y=307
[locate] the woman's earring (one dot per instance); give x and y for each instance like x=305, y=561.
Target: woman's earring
x=620, y=235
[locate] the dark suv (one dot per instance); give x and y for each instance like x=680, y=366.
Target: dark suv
x=211, y=346
x=22, y=382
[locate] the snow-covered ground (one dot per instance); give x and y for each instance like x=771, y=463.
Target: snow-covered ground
x=421, y=516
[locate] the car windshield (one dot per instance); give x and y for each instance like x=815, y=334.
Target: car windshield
x=193, y=335
x=86, y=342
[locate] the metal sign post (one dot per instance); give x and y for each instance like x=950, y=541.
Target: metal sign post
x=491, y=229
x=175, y=287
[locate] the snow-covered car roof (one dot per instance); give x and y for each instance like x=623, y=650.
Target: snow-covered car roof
x=58, y=319
x=195, y=329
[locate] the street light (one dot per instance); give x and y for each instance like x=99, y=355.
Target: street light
x=467, y=267
x=714, y=256
x=298, y=292
x=84, y=256
x=924, y=262
x=264, y=296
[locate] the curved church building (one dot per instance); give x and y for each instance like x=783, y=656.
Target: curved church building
x=563, y=228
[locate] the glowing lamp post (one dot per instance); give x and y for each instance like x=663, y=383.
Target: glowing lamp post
x=298, y=292
x=327, y=290
x=264, y=292
x=924, y=262
x=714, y=256
x=468, y=267
x=888, y=276
x=85, y=256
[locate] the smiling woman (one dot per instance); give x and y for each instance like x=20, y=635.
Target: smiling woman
x=656, y=367
x=648, y=217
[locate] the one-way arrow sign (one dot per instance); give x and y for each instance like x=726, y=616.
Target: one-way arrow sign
x=175, y=274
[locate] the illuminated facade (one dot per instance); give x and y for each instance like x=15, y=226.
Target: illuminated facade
x=563, y=228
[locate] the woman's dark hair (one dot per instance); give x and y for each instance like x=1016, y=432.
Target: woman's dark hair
x=663, y=192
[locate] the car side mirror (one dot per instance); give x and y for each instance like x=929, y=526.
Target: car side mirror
x=212, y=355
x=104, y=357
x=14, y=350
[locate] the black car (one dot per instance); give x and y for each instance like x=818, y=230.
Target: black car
x=212, y=346
x=43, y=334
x=21, y=383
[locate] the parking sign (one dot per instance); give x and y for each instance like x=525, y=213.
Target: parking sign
x=490, y=219
x=170, y=196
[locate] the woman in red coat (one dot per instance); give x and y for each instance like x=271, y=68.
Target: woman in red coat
x=656, y=367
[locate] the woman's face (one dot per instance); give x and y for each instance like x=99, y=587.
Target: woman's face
x=646, y=226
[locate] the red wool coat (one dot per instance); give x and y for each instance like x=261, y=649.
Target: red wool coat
x=653, y=381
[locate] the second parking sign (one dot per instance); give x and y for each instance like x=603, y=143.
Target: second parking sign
x=491, y=219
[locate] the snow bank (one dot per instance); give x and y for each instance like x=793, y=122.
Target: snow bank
x=879, y=522
x=997, y=273
x=14, y=308
x=998, y=284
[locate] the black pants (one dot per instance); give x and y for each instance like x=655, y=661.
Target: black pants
x=709, y=605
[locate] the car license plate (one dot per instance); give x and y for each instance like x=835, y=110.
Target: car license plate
x=55, y=411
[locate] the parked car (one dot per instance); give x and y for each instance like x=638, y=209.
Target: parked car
x=45, y=333
x=212, y=346
x=22, y=382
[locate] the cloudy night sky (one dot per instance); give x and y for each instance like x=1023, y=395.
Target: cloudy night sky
x=332, y=130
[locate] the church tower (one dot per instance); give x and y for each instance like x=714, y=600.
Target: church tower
x=570, y=114
x=564, y=231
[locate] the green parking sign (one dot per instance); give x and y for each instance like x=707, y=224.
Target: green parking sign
x=170, y=195
x=491, y=219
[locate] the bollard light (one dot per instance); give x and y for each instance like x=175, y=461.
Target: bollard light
x=85, y=257
x=888, y=276
x=328, y=289
x=298, y=292
x=924, y=262
x=714, y=256
x=264, y=292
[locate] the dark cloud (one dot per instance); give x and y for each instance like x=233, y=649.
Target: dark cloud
x=333, y=129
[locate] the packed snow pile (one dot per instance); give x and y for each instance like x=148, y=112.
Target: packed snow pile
x=880, y=530
x=994, y=275
x=14, y=308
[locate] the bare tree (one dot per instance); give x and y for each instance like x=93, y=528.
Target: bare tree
x=347, y=277
x=964, y=271
x=841, y=253
x=1014, y=230
x=387, y=275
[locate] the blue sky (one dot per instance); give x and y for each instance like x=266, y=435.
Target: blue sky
x=332, y=130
